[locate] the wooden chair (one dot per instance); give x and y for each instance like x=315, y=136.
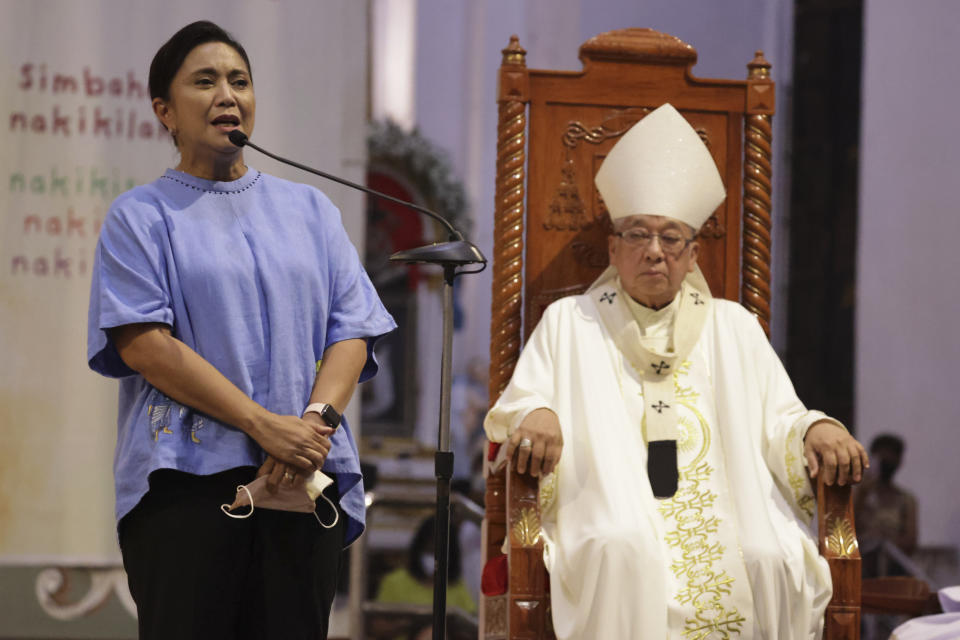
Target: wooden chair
x=550, y=241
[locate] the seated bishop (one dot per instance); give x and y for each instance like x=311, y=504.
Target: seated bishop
x=672, y=451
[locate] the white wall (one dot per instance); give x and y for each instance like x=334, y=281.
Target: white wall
x=908, y=291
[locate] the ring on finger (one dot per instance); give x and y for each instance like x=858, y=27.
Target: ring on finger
x=526, y=443
x=288, y=475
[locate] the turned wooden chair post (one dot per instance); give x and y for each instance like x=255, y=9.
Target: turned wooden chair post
x=757, y=190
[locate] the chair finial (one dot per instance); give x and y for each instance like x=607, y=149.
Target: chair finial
x=514, y=54
x=759, y=67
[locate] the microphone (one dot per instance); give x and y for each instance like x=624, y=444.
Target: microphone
x=457, y=252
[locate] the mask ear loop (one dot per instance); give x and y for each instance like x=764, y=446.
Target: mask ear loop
x=226, y=507
x=336, y=514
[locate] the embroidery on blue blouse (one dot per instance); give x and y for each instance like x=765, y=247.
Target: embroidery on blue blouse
x=160, y=411
x=197, y=424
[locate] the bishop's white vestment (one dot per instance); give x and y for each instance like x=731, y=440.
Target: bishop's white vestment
x=730, y=555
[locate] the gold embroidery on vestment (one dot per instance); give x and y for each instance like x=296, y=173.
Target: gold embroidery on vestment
x=686, y=436
x=548, y=492
x=798, y=484
x=690, y=526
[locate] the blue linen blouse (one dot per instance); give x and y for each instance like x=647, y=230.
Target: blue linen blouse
x=259, y=277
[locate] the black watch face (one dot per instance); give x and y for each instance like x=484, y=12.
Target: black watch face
x=330, y=416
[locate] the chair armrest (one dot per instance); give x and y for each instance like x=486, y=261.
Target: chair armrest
x=837, y=538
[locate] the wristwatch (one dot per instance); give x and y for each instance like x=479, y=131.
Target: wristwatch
x=327, y=413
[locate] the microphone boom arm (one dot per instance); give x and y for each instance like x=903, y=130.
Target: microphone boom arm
x=240, y=139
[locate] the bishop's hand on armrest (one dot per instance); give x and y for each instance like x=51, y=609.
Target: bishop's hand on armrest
x=537, y=443
x=832, y=451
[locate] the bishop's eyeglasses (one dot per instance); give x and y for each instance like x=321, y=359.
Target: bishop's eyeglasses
x=672, y=243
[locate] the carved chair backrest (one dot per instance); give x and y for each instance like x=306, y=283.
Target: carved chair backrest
x=551, y=228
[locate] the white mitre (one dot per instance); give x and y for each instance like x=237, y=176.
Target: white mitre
x=660, y=167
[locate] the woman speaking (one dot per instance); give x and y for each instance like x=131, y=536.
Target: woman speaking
x=237, y=316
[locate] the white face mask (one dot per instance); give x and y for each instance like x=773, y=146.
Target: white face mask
x=429, y=563
x=297, y=498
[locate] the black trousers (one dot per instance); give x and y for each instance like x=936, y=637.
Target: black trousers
x=197, y=574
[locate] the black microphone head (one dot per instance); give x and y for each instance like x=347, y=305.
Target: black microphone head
x=237, y=137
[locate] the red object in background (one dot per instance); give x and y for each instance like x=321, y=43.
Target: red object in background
x=493, y=449
x=494, y=580
x=402, y=225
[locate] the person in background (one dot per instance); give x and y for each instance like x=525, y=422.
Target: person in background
x=885, y=513
x=413, y=584
x=236, y=315
x=468, y=406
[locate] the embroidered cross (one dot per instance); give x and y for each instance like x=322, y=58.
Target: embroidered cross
x=608, y=297
x=696, y=298
x=660, y=367
x=660, y=406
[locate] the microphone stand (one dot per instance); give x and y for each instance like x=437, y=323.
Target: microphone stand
x=452, y=256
